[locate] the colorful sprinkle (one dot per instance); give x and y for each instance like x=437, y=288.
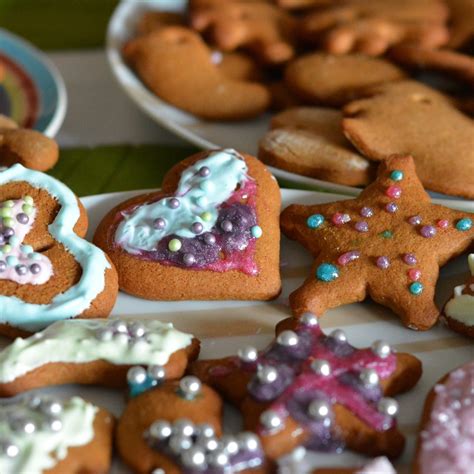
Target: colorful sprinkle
x=340, y=218
x=394, y=192
x=414, y=274
x=391, y=207
x=348, y=257
x=415, y=220
x=174, y=245
x=28, y=200
x=366, y=212
x=12, y=260
x=361, y=226
x=327, y=272
x=410, y=259
x=386, y=234
x=10, y=203
x=464, y=224
x=383, y=262
x=206, y=216
x=314, y=221
x=396, y=175
x=256, y=231
x=416, y=288
x=8, y=222
x=27, y=209
x=5, y=212
x=442, y=223
x=428, y=231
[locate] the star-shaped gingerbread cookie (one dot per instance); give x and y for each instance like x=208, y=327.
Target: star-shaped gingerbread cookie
x=316, y=390
x=388, y=244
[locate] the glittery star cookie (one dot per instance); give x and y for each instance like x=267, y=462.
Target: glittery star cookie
x=446, y=439
x=177, y=428
x=40, y=434
x=212, y=232
x=388, y=244
x=316, y=390
x=96, y=352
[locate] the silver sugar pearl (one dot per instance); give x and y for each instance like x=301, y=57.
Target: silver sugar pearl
x=287, y=338
x=209, y=238
x=230, y=445
x=183, y=427
x=119, y=327
x=204, y=171
x=194, y=458
x=35, y=268
x=369, y=377
x=267, y=373
x=21, y=424
x=136, y=329
x=104, y=334
x=51, y=407
x=136, y=375
x=179, y=443
x=248, y=441
x=339, y=335
x=321, y=367
x=159, y=223
x=8, y=448
x=197, y=228
x=22, y=218
x=53, y=424
x=190, y=386
x=209, y=444
x=381, y=349
x=160, y=430
x=174, y=203
x=21, y=269
x=205, y=430
x=33, y=401
x=319, y=410
x=388, y=406
x=226, y=225
x=218, y=458
x=3, y=266
x=270, y=420
x=248, y=354
x=189, y=259
x=156, y=372
x=309, y=319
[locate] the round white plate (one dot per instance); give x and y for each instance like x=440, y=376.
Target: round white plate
x=243, y=135
x=253, y=323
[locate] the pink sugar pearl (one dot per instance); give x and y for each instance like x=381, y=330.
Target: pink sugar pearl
x=394, y=192
x=414, y=274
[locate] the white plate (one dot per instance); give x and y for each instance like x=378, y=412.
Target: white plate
x=243, y=135
x=254, y=322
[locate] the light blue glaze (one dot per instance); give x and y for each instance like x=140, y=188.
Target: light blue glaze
x=197, y=195
x=78, y=298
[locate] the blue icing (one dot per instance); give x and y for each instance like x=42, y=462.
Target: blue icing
x=75, y=300
x=199, y=198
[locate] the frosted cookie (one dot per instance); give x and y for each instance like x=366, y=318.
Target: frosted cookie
x=446, y=439
x=211, y=233
x=48, y=272
x=458, y=314
x=388, y=243
x=309, y=141
x=316, y=390
x=176, y=429
x=94, y=351
x=42, y=435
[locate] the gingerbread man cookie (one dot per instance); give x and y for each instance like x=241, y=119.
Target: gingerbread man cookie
x=96, y=352
x=446, y=440
x=458, y=314
x=48, y=272
x=43, y=435
x=388, y=244
x=316, y=390
x=211, y=233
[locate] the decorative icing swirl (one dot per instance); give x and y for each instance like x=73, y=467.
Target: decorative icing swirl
x=36, y=432
x=93, y=262
x=144, y=341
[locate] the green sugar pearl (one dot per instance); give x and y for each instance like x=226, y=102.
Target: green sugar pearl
x=174, y=245
x=8, y=203
x=28, y=200
x=5, y=212
x=27, y=209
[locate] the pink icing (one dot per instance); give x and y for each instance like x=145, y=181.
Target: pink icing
x=447, y=442
x=14, y=254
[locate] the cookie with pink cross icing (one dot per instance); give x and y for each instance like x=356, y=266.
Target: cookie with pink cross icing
x=388, y=243
x=316, y=390
x=446, y=440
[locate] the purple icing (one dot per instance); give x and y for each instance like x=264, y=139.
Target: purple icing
x=391, y=207
x=265, y=392
x=428, y=231
x=410, y=259
x=372, y=393
x=362, y=226
x=414, y=220
x=366, y=212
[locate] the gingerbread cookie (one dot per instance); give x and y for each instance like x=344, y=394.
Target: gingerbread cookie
x=380, y=465
x=40, y=434
x=458, y=314
x=176, y=428
x=282, y=97
x=444, y=61
x=28, y=147
x=320, y=78
x=155, y=20
x=265, y=30
x=315, y=390
x=211, y=233
x=48, y=272
x=198, y=86
x=309, y=141
x=237, y=66
x=446, y=440
x=440, y=138
x=372, y=26
x=94, y=351
x=388, y=244
x=461, y=14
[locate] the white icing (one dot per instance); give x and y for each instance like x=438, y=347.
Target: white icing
x=379, y=465
x=74, y=340
x=43, y=449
